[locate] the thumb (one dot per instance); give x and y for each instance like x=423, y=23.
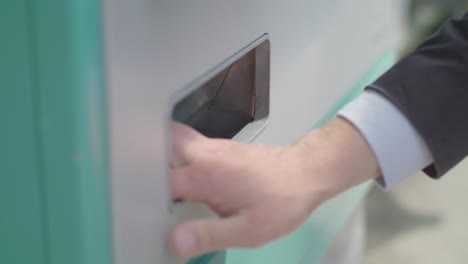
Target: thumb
x=202, y=236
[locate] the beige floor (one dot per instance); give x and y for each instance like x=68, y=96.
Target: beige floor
x=420, y=221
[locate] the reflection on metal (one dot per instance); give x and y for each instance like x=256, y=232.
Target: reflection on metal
x=233, y=99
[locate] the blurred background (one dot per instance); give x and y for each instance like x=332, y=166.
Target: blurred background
x=421, y=220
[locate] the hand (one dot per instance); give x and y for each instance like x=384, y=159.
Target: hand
x=259, y=192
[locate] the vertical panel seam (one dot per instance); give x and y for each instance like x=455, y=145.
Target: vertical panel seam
x=36, y=106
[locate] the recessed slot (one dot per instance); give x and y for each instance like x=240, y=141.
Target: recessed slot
x=230, y=97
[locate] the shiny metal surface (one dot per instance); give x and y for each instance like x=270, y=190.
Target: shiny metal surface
x=231, y=100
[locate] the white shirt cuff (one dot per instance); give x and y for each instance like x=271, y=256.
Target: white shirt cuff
x=398, y=147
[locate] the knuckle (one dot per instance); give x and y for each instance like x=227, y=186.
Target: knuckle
x=255, y=237
x=206, y=241
x=208, y=169
x=259, y=230
x=196, y=176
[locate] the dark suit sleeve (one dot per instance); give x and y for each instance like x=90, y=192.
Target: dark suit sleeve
x=430, y=87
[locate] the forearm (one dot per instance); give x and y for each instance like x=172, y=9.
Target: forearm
x=344, y=156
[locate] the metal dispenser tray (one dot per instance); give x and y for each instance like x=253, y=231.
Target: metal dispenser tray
x=232, y=99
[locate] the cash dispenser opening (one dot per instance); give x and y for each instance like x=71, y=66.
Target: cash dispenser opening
x=232, y=100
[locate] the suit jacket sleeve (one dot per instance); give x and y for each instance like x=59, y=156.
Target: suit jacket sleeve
x=430, y=87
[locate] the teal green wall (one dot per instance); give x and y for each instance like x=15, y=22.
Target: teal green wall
x=53, y=185
x=22, y=222
x=71, y=112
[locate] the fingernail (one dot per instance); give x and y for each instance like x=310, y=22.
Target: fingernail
x=185, y=241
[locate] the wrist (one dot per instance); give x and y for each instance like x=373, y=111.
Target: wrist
x=336, y=157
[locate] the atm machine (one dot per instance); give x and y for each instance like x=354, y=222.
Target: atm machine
x=88, y=89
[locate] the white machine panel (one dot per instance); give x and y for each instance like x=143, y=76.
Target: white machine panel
x=155, y=49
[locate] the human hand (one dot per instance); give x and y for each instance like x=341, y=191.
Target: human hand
x=260, y=193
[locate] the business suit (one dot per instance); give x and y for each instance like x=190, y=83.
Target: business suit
x=430, y=88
